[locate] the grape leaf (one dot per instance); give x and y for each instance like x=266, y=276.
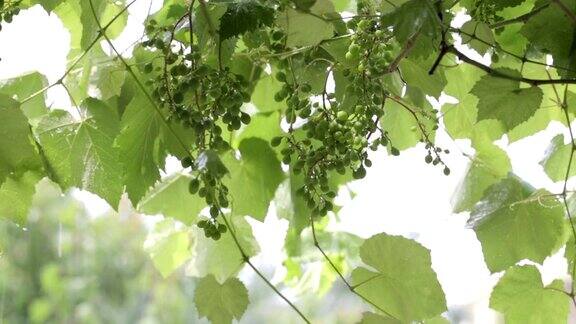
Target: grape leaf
x=555, y=161
x=402, y=126
x=244, y=16
x=522, y=298
x=104, y=10
x=402, y=282
x=16, y=197
x=82, y=153
x=558, y=38
x=415, y=18
x=21, y=88
x=482, y=38
x=513, y=222
x=109, y=79
x=298, y=25
x=416, y=74
x=254, y=178
x=17, y=151
x=265, y=126
x=171, y=198
x=459, y=119
x=490, y=165
x=169, y=247
x=504, y=100
x=263, y=96
x=221, y=303
x=48, y=5
x=139, y=146
x=222, y=258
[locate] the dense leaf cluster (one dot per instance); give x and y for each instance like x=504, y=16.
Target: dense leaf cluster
x=283, y=101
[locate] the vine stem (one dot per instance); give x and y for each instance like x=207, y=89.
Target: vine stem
x=406, y=49
x=534, y=82
x=352, y=288
x=564, y=106
x=245, y=257
x=519, y=19
x=101, y=32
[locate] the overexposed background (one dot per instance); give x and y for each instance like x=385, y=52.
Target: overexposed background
x=402, y=195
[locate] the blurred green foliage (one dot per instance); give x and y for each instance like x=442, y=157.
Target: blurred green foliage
x=65, y=267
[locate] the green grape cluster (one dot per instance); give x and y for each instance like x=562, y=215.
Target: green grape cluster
x=337, y=137
x=207, y=184
x=8, y=9
x=204, y=99
x=331, y=139
x=212, y=229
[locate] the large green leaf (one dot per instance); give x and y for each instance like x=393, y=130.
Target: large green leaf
x=221, y=302
x=402, y=282
x=82, y=153
x=513, y=222
x=222, y=258
x=171, y=198
x=504, y=100
x=17, y=151
x=139, y=144
x=558, y=38
x=523, y=299
x=254, y=178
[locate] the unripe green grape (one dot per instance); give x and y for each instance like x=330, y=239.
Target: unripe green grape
x=178, y=97
x=186, y=162
x=276, y=141
x=148, y=68
x=214, y=211
x=342, y=116
x=245, y=118
x=281, y=76
x=194, y=186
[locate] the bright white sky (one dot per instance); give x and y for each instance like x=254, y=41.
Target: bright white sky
x=402, y=195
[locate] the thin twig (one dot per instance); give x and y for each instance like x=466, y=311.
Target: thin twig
x=519, y=19
x=403, y=53
x=352, y=288
x=79, y=58
x=498, y=74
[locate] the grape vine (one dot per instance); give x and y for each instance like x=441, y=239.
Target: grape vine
x=291, y=98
